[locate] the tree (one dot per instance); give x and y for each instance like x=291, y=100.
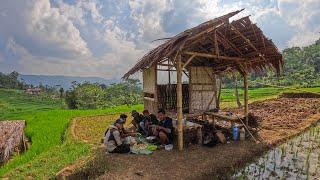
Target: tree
x=61, y=91
x=92, y=96
x=71, y=99
x=89, y=96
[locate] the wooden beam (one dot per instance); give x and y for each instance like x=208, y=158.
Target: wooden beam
x=184, y=72
x=230, y=43
x=246, y=39
x=216, y=47
x=170, y=70
x=188, y=61
x=179, y=102
x=214, y=26
x=168, y=65
x=214, y=56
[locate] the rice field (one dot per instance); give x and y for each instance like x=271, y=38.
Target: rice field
x=298, y=158
x=52, y=148
x=48, y=124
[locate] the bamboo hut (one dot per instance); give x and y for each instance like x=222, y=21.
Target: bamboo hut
x=202, y=54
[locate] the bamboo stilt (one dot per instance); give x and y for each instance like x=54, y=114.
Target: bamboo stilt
x=179, y=102
x=246, y=98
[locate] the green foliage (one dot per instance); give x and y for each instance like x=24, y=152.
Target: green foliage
x=94, y=96
x=11, y=81
x=128, y=92
x=89, y=96
x=71, y=99
x=301, y=68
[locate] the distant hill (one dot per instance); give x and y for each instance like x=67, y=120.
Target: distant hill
x=64, y=81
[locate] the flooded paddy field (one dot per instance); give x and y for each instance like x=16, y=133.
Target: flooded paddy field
x=298, y=158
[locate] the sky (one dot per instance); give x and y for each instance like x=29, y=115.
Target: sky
x=105, y=38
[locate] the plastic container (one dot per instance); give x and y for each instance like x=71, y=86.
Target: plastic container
x=235, y=132
x=242, y=134
x=168, y=147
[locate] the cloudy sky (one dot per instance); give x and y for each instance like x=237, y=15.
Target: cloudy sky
x=105, y=37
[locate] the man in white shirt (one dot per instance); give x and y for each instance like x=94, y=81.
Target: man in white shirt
x=113, y=141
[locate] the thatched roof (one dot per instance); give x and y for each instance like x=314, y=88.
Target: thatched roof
x=224, y=46
x=11, y=137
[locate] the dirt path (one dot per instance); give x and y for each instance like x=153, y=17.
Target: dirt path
x=280, y=119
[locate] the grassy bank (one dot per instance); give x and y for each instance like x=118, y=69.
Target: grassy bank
x=47, y=124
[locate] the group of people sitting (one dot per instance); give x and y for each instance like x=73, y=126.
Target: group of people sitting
x=145, y=124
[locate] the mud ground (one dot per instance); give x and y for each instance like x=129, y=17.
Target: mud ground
x=280, y=119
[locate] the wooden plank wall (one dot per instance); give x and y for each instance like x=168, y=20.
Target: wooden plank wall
x=203, y=89
x=150, y=89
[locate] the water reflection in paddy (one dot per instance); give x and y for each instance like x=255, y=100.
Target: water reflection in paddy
x=298, y=158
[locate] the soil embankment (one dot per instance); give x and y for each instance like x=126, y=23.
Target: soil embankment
x=279, y=119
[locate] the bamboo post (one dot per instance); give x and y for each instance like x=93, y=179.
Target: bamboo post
x=246, y=108
x=179, y=102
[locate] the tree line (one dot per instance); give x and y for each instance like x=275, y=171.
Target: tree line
x=11, y=81
x=93, y=95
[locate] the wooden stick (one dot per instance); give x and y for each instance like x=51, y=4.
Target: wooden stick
x=219, y=93
x=179, y=102
x=247, y=129
x=216, y=47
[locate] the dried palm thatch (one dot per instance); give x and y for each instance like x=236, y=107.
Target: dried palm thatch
x=224, y=46
x=11, y=138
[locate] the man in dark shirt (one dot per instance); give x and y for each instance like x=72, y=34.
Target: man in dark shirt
x=164, y=130
x=147, y=122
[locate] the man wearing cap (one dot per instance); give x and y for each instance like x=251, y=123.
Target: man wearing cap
x=113, y=140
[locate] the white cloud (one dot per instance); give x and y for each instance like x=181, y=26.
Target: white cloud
x=73, y=12
x=93, y=8
x=50, y=26
x=1, y=57
x=106, y=38
x=42, y=27
x=148, y=16
x=122, y=52
x=304, y=16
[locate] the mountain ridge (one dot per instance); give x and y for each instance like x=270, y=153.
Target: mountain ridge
x=62, y=80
